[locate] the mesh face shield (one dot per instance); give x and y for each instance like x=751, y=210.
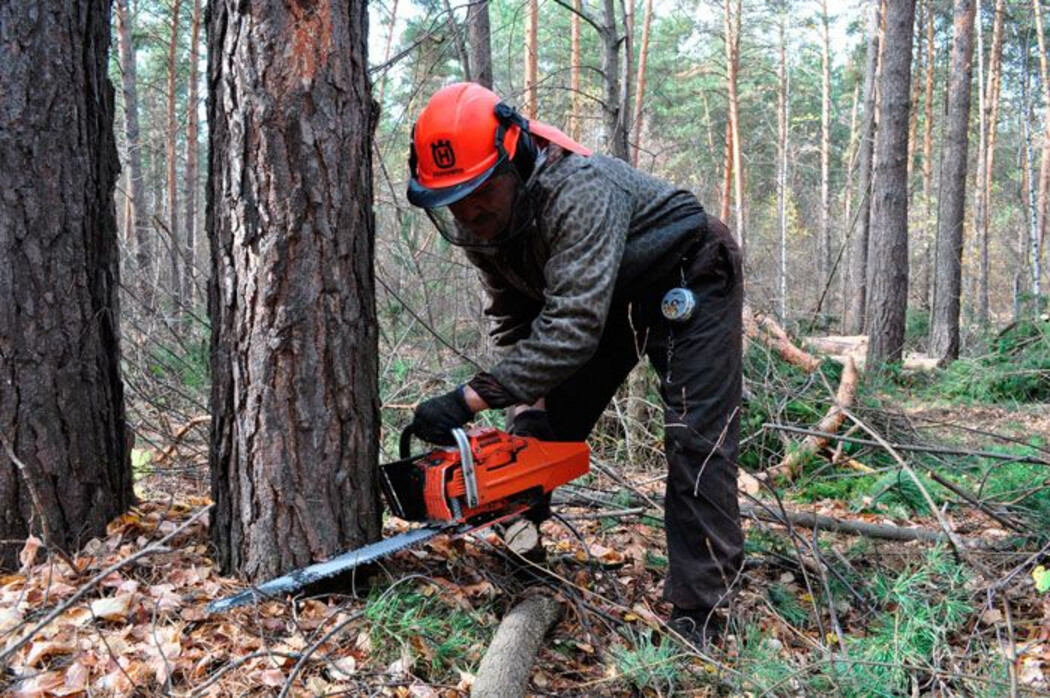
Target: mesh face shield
x=494, y=213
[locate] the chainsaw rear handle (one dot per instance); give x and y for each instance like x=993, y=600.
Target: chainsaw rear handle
x=466, y=458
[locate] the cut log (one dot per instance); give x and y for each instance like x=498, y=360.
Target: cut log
x=507, y=664
x=829, y=424
x=765, y=330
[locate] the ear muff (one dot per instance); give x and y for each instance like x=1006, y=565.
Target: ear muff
x=524, y=157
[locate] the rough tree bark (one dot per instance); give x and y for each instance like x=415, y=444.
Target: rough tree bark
x=857, y=284
x=944, y=323
x=292, y=297
x=888, y=299
x=137, y=198
x=480, y=39
x=175, y=247
x=62, y=404
x=189, y=192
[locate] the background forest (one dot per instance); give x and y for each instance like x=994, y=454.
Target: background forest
x=904, y=557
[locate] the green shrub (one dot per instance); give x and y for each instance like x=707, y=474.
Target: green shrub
x=1017, y=369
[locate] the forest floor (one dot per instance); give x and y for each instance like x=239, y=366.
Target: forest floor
x=816, y=612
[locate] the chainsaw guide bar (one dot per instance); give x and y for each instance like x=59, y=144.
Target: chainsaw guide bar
x=490, y=476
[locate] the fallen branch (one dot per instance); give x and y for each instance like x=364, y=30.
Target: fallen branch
x=827, y=426
x=953, y=538
x=852, y=527
x=180, y=435
x=507, y=664
x=765, y=330
x=910, y=447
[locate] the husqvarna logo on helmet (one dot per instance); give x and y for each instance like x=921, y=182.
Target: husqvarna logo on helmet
x=444, y=156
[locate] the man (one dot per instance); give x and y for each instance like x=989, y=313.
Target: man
x=577, y=252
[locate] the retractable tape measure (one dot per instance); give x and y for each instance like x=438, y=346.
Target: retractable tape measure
x=678, y=304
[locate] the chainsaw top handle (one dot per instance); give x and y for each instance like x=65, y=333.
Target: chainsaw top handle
x=466, y=459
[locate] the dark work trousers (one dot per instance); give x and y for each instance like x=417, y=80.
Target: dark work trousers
x=699, y=364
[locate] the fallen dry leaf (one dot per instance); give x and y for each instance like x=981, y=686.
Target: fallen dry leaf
x=112, y=607
x=271, y=677
x=41, y=651
x=28, y=554
x=344, y=667
x=39, y=685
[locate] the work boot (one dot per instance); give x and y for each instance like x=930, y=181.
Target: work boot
x=700, y=627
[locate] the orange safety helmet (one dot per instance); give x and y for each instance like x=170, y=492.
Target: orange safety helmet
x=464, y=135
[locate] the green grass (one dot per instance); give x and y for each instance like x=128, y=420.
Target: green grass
x=645, y=664
x=922, y=606
x=441, y=635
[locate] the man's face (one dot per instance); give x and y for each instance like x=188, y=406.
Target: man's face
x=487, y=211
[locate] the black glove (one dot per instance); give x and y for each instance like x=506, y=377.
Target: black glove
x=535, y=423
x=435, y=418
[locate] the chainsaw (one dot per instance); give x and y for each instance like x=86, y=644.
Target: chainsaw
x=488, y=477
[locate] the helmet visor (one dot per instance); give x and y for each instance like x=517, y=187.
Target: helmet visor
x=428, y=198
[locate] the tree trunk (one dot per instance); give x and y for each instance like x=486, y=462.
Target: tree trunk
x=457, y=39
x=612, y=108
x=574, y=69
x=732, y=34
x=143, y=271
x=62, y=404
x=782, y=164
x=480, y=42
x=532, y=18
x=929, y=222
x=944, y=323
x=189, y=192
x=292, y=298
x=169, y=150
x=825, y=147
x=858, y=268
x=889, y=253
x=639, y=93
x=1044, y=165
x=1027, y=239
x=991, y=108
x=390, y=43
x=849, y=222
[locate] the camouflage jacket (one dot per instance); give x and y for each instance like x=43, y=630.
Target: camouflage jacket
x=604, y=232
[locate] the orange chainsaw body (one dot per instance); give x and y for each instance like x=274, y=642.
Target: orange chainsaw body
x=510, y=473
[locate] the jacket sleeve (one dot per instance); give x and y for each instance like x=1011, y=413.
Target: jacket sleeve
x=510, y=311
x=586, y=218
